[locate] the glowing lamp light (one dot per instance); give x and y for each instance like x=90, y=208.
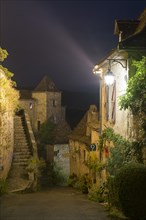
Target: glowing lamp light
x=109, y=78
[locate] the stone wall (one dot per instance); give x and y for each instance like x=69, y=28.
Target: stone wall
x=8, y=102
x=40, y=108
x=120, y=123
x=54, y=107
x=6, y=143
x=29, y=105
x=62, y=158
x=78, y=157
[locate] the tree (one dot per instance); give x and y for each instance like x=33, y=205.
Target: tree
x=3, y=54
x=8, y=94
x=46, y=134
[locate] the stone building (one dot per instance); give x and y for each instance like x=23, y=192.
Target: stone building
x=8, y=103
x=131, y=46
x=42, y=103
x=83, y=144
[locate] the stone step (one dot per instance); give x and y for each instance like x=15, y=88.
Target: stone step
x=18, y=124
x=17, y=170
x=22, y=153
x=20, y=160
x=17, y=159
x=19, y=132
x=21, y=147
x=20, y=137
x=21, y=157
x=23, y=139
x=21, y=143
x=18, y=177
x=21, y=163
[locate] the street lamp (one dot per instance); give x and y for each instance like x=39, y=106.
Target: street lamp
x=109, y=78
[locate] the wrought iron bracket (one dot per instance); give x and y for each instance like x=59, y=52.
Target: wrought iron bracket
x=123, y=62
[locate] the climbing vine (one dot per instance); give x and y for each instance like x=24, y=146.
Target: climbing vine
x=135, y=99
x=121, y=150
x=94, y=164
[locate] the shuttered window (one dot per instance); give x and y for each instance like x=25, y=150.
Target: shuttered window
x=110, y=103
x=106, y=104
x=113, y=103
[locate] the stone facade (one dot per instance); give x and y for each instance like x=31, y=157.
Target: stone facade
x=131, y=46
x=6, y=143
x=62, y=158
x=7, y=106
x=111, y=114
x=42, y=103
x=83, y=144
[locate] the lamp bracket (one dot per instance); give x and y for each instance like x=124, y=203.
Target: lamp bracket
x=123, y=62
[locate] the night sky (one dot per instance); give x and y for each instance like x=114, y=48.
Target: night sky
x=61, y=39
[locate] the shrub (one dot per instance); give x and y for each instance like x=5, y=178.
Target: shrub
x=129, y=188
x=113, y=188
x=52, y=174
x=98, y=193
x=72, y=180
x=83, y=183
x=3, y=187
x=58, y=176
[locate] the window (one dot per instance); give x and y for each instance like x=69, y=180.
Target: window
x=54, y=102
x=106, y=103
x=30, y=105
x=110, y=103
x=113, y=104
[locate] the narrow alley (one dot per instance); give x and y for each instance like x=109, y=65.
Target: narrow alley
x=60, y=203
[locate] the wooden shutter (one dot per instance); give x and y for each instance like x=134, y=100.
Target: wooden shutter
x=113, y=100
x=106, y=103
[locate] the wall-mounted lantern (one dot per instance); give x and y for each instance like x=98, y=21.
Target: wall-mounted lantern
x=109, y=77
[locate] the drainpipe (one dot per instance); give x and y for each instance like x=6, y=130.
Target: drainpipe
x=100, y=118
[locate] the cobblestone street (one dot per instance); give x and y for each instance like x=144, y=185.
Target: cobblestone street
x=61, y=203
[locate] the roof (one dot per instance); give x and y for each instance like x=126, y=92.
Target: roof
x=137, y=40
x=127, y=27
x=132, y=32
x=134, y=35
x=25, y=94
x=63, y=131
x=80, y=131
x=46, y=84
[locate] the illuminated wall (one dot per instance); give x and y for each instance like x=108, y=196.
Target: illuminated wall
x=8, y=102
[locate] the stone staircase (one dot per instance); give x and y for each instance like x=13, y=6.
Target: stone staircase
x=18, y=177
x=22, y=151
